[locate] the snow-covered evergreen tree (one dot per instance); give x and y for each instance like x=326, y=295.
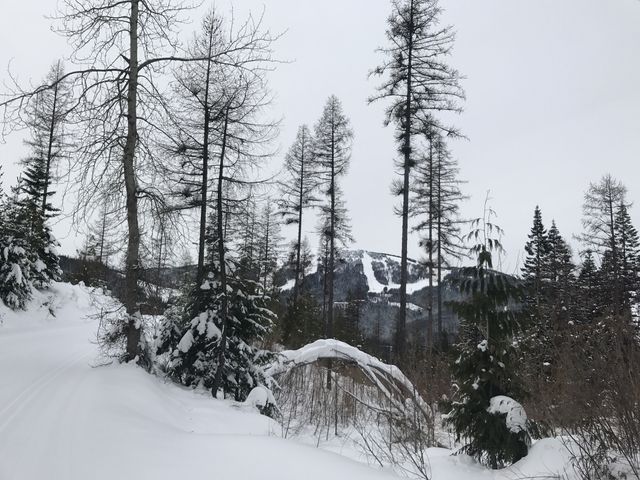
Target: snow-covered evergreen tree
x=16, y=258
x=485, y=369
x=192, y=336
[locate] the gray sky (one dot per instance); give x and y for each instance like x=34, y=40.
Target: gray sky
x=553, y=100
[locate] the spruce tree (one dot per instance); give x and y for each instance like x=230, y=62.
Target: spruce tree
x=17, y=260
x=628, y=247
x=193, y=339
x=486, y=354
x=558, y=279
x=536, y=248
x=589, y=291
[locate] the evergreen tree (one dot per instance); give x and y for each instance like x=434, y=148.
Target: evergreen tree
x=628, y=248
x=47, y=116
x=536, y=247
x=417, y=83
x=558, y=279
x=332, y=152
x=485, y=365
x=17, y=261
x=193, y=339
x=298, y=191
x=589, y=292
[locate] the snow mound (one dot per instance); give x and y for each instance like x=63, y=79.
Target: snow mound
x=516, y=417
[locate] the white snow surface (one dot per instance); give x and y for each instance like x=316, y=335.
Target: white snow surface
x=516, y=417
x=62, y=417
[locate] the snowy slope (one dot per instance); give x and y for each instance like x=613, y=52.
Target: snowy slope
x=62, y=419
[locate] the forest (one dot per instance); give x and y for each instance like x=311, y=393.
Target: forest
x=216, y=264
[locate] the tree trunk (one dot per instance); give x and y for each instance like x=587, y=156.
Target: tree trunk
x=222, y=350
x=52, y=128
x=332, y=248
x=128, y=160
x=406, y=150
x=205, y=168
x=299, y=244
x=430, y=220
x=439, y=254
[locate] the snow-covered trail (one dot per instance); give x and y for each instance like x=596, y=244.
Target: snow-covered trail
x=60, y=418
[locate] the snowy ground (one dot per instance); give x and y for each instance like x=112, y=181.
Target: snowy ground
x=62, y=418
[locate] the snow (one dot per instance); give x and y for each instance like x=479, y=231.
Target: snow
x=64, y=417
x=186, y=342
x=289, y=285
x=260, y=397
x=516, y=417
x=60, y=418
x=376, y=287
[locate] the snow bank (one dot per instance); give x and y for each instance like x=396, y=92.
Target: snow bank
x=62, y=419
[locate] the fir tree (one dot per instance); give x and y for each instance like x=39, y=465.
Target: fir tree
x=536, y=248
x=17, y=261
x=558, y=279
x=193, y=339
x=589, y=291
x=628, y=248
x=485, y=365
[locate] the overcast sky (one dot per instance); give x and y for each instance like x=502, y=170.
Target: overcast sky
x=553, y=100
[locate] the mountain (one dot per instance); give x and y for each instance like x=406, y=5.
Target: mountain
x=373, y=280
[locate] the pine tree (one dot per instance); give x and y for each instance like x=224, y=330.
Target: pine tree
x=417, y=83
x=485, y=365
x=298, y=194
x=332, y=152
